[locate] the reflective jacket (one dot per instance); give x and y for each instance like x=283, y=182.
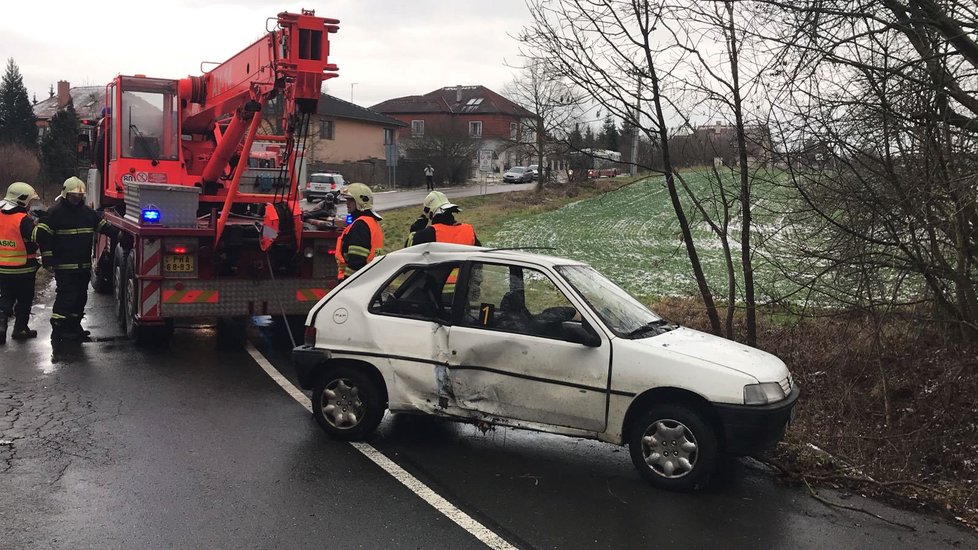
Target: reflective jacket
x=18, y=250
x=65, y=235
x=359, y=243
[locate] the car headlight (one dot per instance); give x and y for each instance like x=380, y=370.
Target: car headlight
x=762, y=394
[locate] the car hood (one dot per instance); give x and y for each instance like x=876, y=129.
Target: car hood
x=706, y=347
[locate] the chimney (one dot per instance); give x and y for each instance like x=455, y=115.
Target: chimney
x=63, y=93
x=458, y=93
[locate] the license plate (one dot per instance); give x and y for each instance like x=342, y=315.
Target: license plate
x=178, y=263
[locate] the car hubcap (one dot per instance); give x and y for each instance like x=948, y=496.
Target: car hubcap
x=670, y=449
x=342, y=406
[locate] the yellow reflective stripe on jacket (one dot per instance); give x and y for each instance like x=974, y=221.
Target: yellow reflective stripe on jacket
x=86, y=265
x=80, y=231
x=18, y=270
x=43, y=227
x=358, y=251
x=47, y=253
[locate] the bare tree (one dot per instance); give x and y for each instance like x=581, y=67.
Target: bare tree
x=555, y=104
x=607, y=48
x=888, y=89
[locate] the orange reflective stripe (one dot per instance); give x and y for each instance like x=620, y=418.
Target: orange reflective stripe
x=190, y=296
x=460, y=233
x=309, y=294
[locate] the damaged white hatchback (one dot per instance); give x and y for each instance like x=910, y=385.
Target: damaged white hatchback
x=531, y=341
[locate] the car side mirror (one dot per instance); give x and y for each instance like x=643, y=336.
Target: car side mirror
x=581, y=333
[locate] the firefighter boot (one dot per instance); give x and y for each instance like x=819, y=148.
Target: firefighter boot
x=23, y=333
x=3, y=329
x=61, y=331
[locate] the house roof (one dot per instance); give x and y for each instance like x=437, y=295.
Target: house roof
x=87, y=100
x=454, y=100
x=336, y=107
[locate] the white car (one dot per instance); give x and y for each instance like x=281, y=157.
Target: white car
x=543, y=343
x=321, y=184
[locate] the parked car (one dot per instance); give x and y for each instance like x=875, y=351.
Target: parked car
x=544, y=343
x=534, y=171
x=321, y=184
x=518, y=174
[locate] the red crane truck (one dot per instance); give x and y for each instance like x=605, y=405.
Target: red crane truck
x=208, y=227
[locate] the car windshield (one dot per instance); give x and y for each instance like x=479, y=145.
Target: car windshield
x=518, y=170
x=321, y=178
x=621, y=312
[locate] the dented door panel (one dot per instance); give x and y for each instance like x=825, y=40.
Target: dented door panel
x=529, y=378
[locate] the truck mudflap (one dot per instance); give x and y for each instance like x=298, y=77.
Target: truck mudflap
x=196, y=297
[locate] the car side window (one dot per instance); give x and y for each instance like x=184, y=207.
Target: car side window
x=418, y=292
x=517, y=299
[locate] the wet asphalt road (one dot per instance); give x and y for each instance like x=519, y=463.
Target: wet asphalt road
x=105, y=445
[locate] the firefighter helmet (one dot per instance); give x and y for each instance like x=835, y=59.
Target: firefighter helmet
x=361, y=195
x=73, y=185
x=437, y=203
x=20, y=194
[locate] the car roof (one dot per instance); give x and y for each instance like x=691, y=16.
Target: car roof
x=447, y=252
x=325, y=174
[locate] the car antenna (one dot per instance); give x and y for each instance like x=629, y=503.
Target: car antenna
x=520, y=248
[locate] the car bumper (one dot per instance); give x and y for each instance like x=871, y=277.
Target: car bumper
x=308, y=362
x=751, y=428
x=309, y=194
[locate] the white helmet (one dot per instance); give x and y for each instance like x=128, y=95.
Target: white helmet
x=73, y=185
x=437, y=203
x=19, y=194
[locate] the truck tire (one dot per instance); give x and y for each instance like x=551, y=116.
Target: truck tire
x=119, y=282
x=102, y=274
x=142, y=335
x=348, y=404
x=674, y=447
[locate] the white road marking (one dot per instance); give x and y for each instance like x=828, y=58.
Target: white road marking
x=425, y=493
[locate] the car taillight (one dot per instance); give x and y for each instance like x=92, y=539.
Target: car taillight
x=310, y=336
x=308, y=184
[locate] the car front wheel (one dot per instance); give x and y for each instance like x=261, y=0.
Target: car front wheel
x=348, y=404
x=674, y=447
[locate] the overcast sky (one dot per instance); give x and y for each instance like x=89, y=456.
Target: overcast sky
x=384, y=49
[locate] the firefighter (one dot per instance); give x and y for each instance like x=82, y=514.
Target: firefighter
x=443, y=228
x=362, y=238
x=18, y=261
x=65, y=237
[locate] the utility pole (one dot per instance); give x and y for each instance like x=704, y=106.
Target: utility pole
x=633, y=169
x=352, y=84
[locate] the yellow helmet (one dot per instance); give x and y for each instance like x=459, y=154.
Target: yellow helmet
x=362, y=196
x=436, y=203
x=73, y=185
x=20, y=194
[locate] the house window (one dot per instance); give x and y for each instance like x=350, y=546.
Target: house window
x=417, y=128
x=388, y=136
x=475, y=129
x=326, y=129
x=514, y=129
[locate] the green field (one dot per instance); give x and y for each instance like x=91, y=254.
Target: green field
x=631, y=235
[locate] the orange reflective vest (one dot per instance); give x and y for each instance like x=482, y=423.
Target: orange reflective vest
x=460, y=233
x=14, y=258
x=376, y=243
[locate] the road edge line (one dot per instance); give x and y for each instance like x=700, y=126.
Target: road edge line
x=413, y=484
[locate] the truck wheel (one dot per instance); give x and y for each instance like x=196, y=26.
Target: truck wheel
x=102, y=274
x=140, y=334
x=347, y=404
x=673, y=447
x=119, y=282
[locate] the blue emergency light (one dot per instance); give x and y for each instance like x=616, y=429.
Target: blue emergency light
x=151, y=215
x=349, y=219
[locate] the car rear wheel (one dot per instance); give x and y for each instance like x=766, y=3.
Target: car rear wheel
x=674, y=447
x=347, y=403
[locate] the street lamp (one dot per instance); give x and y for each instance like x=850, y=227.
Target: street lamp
x=352, y=84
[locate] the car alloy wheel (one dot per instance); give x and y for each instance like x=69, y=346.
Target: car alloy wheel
x=674, y=446
x=669, y=448
x=341, y=405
